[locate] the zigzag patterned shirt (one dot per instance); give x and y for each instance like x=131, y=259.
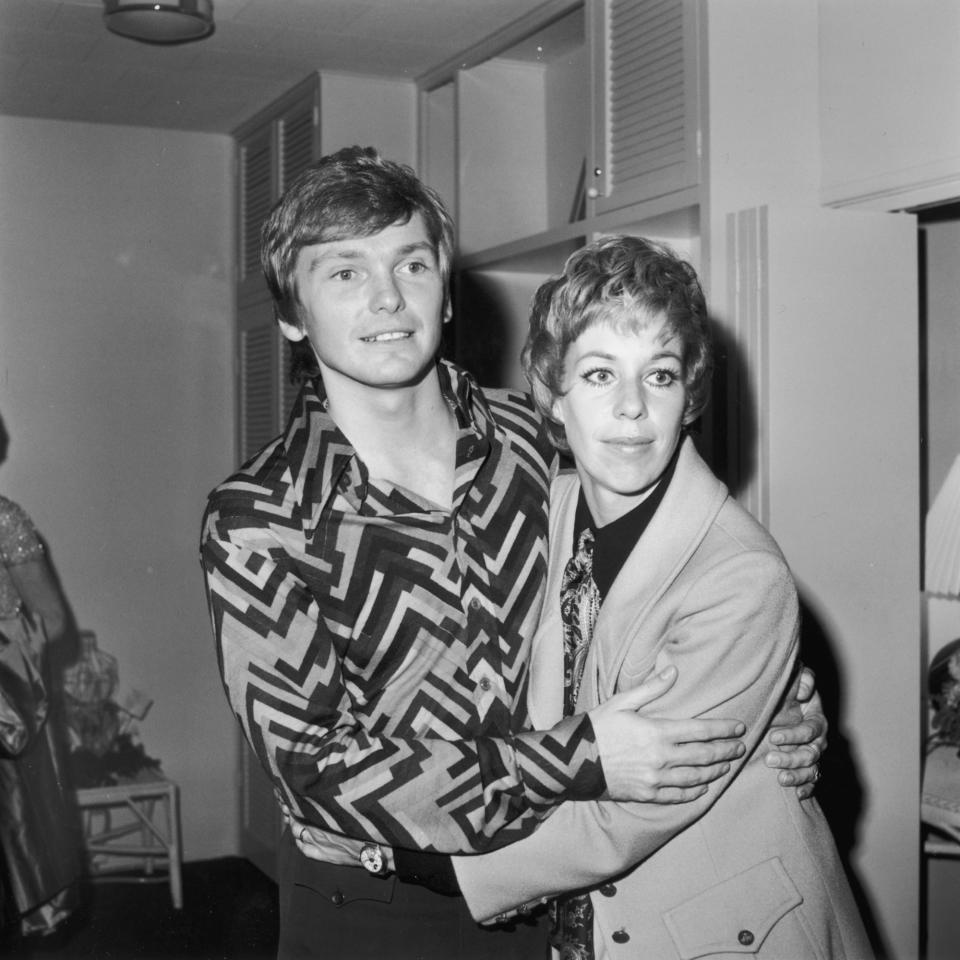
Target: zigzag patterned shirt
x=374, y=647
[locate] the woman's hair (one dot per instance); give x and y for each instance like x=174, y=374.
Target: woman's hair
x=351, y=193
x=622, y=281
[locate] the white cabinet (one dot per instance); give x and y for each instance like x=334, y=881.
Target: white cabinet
x=646, y=88
x=578, y=120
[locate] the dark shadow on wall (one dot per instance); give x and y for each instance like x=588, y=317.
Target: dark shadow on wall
x=476, y=336
x=726, y=432
x=840, y=789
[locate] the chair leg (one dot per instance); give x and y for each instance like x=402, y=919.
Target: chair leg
x=175, y=852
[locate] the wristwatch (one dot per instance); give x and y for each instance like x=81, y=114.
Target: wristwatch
x=373, y=860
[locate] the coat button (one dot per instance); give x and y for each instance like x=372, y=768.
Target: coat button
x=608, y=890
x=337, y=898
x=745, y=937
x=620, y=936
x=485, y=683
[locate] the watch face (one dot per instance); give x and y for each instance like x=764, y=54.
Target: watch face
x=371, y=856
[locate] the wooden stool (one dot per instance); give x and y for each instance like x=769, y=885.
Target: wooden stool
x=140, y=834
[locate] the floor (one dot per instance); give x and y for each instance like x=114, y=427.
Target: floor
x=229, y=913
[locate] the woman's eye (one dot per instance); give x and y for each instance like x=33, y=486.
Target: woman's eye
x=599, y=376
x=663, y=378
x=416, y=266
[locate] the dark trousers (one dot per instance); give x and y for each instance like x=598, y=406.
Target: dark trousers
x=344, y=913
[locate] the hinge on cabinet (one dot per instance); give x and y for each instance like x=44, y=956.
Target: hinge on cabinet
x=699, y=144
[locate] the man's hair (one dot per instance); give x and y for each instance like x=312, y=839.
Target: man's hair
x=351, y=193
x=623, y=281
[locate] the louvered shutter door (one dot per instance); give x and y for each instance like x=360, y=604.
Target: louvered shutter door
x=271, y=154
x=257, y=193
x=259, y=387
x=648, y=136
x=296, y=142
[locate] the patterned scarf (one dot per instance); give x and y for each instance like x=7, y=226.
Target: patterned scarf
x=572, y=914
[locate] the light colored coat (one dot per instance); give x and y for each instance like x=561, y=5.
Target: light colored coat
x=749, y=869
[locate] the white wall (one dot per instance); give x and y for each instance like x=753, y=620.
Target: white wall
x=116, y=296
x=841, y=401
x=368, y=112
x=890, y=73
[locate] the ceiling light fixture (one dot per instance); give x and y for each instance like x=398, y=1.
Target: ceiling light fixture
x=162, y=21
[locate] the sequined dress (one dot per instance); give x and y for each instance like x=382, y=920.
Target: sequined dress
x=38, y=831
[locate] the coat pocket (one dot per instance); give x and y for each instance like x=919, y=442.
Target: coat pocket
x=734, y=916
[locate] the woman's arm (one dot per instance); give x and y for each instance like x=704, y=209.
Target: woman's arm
x=40, y=593
x=734, y=642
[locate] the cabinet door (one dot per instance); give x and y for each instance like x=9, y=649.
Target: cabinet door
x=646, y=117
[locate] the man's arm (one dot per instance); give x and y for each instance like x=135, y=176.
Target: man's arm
x=804, y=742
x=283, y=678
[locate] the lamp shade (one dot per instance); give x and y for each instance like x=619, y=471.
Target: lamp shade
x=942, y=560
x=163, y=21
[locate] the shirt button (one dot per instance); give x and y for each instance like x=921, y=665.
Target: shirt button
x=474, y=604
x=745, y=937
x=485, y=683
x=337, y=898
x=620, y=936
x=608, y=890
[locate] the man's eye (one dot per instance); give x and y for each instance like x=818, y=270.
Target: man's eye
x=345, y=274
x=416, y=266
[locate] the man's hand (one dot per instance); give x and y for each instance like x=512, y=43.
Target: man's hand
x=799, y=746
x=659, y=760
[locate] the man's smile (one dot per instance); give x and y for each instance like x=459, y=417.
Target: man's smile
x=388, y=336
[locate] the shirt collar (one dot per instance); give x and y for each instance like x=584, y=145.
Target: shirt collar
x=322, y=460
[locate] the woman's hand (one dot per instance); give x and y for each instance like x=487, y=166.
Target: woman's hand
x=658, y=760
x=317, y=844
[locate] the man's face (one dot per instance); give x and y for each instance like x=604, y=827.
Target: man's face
x=371, y=307
x=622, y=409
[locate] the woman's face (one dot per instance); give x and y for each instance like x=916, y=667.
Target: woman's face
x=622, y=409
